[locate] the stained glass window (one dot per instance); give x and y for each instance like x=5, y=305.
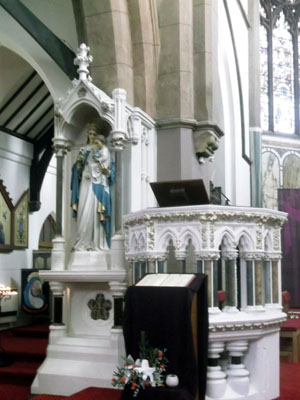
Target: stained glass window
x=279, y=65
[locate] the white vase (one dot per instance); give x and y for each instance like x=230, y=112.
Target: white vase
x=172, y=380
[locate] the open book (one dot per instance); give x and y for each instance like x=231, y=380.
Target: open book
x=177, y=280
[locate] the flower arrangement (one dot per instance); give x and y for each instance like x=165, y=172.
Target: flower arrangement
x=146, y=371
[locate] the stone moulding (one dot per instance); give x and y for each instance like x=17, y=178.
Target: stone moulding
x=207, y=214
x=83, y=276
x=246, y=326
x=149, y=231
x=206, y=134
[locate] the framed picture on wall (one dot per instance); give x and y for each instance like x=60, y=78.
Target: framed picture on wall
x=20, y=230
x=35, y=293
x=6, y=217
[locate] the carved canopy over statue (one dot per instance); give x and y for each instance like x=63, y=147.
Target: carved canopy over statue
x=91, y=184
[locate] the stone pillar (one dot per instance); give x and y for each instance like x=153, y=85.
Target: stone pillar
x=118, y=140
x=209, y=261
x=237, y=374
x=258, y=272
x=118, y=193
x=181, y=257
x=272, y=273
x=230, y=280
x=58, y=252
x=267, y=272
x=254, y=104
x=250, y=282
x=276, y=281
x=57, y=327
x=216, y=378
x=118, y=289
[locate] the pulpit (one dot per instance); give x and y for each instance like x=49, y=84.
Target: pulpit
x=172, y=310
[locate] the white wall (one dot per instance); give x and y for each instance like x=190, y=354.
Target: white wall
x=15, y=160
x=58, y=16
x=228, y=159
x=15, y=38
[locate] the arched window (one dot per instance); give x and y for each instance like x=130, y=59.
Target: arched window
x=279, y=64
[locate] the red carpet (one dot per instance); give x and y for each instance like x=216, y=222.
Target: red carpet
x=289, y=381
x=27, y=348
x=91, y=393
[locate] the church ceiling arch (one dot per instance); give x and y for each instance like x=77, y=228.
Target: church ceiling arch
x=36, y=68
x=26, y=112
x=61, y=54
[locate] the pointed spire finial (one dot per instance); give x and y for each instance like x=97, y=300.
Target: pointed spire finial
x=83, y=60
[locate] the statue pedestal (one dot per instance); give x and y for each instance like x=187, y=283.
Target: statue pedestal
x=85, y=350
x=90, y=260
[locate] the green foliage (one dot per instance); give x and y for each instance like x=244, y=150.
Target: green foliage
x=130, y=373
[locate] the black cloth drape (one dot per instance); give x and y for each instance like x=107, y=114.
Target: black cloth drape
x=164, y=313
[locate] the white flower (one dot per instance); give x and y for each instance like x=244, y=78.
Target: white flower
x=146, y=371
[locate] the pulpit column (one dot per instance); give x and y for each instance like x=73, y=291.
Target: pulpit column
x=229, y=258
x=181, y=257
x=207, y=263
x=272, y=286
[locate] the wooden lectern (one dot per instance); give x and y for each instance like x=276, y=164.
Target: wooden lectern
x=172, y=310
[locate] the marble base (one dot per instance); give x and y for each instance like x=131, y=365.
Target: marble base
x=90, y=260
x=75, y=363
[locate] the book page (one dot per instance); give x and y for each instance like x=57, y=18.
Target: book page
x=166, y=280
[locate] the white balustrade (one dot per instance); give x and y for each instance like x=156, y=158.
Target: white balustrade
x=216, y=378
x=237, y=375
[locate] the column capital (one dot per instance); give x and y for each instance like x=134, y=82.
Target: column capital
x=249, y=256
x=118, y=288
x=229, y=255
x=272, y=256
x=60, y=146
x=180, y=255
x=207, y=255
x=119, y=134
x=57, y=288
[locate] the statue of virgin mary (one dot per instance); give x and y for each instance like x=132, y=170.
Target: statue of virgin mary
x=91, y=183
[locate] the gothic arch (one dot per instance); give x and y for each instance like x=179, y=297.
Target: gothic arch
x=189, y=235
x=268, y=242
x=165, y=238
x=245, y=242
x=226, y=238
